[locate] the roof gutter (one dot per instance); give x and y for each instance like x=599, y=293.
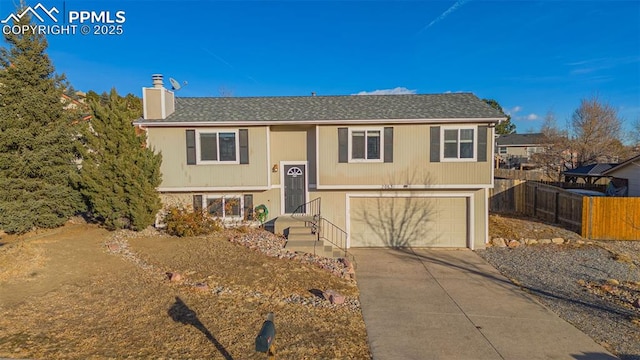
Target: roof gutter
x=160, y=123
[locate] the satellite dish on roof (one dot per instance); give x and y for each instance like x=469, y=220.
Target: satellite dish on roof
x=175, y=85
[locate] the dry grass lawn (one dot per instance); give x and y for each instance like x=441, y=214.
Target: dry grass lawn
x=64, y=295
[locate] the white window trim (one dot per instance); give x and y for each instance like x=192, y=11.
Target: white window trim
x=206, y=198
x=475, y=143
x=217, y=131
x=500, y=150
x=365, y=129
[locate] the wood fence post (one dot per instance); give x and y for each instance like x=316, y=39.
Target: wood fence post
x=556, y=210
x=535, y=200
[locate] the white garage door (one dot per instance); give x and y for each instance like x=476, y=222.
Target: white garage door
x=408, y=221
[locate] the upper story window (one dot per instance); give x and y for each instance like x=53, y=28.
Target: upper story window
x=458, y=144
x=534, y=150
x=502, y=150
x=366, y=144
x=219, y=146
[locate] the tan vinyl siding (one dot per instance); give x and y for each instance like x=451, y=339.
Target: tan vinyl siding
x=270, y=199
x=288, y=143
x=411, y=165
x=481, y=219
x=171, y=142
x=333, y=206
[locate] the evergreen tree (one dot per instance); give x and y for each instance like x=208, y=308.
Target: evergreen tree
x=119, y=174
x=36, y=138
x=505, y=127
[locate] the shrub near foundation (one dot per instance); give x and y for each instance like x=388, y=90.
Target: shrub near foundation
x=182, y=222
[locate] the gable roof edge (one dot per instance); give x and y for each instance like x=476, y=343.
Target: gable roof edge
x=621, y=165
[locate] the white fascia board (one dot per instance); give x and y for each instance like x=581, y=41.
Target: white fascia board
x=403, y=187
x=462, y=194
x=321, y=122
x=213, y=188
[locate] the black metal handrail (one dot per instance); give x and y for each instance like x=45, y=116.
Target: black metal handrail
x=311, y=208
x=324, y=229
x=333, y=234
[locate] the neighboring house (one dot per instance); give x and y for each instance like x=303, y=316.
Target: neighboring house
x=515, y=150
x=389, y=169
x=626, y=174
x=80, y=108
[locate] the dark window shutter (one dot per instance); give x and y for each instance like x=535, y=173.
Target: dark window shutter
x=388, y=144
x=248, y=207
x=244, y=146
x=482, y=143
x=197, y=203
x=191, y=147
x=343, y=145
x=434, y=148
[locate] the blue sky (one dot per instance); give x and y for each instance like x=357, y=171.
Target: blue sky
x=531, y=56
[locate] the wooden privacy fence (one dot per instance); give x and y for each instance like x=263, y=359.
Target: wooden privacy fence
x=598, y=218
x=611, y=218
x=554, y=204
x=507, y=196
x=519, y=174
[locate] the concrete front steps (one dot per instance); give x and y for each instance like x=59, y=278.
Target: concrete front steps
x=300, y=237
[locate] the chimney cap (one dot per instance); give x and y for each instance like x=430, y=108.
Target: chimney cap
x=157, y=80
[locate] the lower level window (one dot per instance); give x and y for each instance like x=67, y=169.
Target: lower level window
x=225, y=206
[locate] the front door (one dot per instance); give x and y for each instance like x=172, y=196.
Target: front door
x=294, y=187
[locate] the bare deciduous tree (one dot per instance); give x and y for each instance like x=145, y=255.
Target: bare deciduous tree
x=596, y=129
x=557, y=156
x=635, y=132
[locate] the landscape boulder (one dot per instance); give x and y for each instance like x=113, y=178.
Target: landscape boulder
x=334, y=297
x=174, y=277
x=498, y=242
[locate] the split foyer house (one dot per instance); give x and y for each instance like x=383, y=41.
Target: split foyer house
x=412, y=170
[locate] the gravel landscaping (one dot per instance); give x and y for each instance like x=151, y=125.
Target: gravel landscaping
x=595, y=286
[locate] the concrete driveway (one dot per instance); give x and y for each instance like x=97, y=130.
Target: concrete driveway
x=451, y=304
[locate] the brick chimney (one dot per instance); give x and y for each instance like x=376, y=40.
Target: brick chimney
x=158, y=102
